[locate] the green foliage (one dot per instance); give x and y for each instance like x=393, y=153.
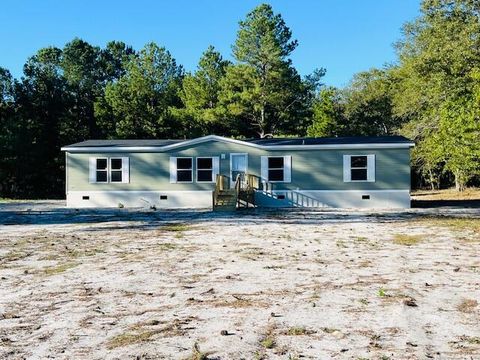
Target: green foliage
x=141, y=98
x=328, y=114
x=436, y=89
x=431, y=95
x=199, y=95
x=368, y=104
x=263, y=93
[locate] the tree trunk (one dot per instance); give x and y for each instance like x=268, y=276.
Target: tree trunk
x=262, y=122
x=459, y=183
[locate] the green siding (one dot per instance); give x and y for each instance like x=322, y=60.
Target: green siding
x=311, y=169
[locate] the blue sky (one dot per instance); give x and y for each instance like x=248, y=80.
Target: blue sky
x=344, y=36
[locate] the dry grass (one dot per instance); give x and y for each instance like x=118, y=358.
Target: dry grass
x=407, y=240
x=467, y=305
x=468, y=226
x=175, y=227
x=299, y=330
x=447, y=194
x=269, y=341
x=473, y=340
x=131, y=338
x=53, y=270
x=197, y=354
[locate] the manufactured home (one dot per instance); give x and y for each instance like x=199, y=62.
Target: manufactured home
x=223, y=173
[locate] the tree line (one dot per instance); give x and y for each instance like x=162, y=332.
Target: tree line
x=431, y=94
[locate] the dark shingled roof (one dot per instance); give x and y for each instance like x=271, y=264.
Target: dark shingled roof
x=331, y=140
x=263, y=142
x=124, y=143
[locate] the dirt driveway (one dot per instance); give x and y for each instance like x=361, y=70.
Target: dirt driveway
x=252, y=285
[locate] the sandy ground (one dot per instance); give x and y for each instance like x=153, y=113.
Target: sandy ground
x=253, y=285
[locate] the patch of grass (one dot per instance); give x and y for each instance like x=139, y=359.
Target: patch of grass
x=474, y=340
x=341, y=244
x=467, y=305
x=407, y=240
x=329, y=330
x=381, y=292
x=130, y=338
x=268, y=342
x=299, y=331
x=167, y=246
x=13, y=256
x=455, y=224
x=197, y=354
x=53, y=270
x=175, y=227
x=239, y=303
x=360, y=239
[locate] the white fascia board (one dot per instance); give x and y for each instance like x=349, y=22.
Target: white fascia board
x=235, y=141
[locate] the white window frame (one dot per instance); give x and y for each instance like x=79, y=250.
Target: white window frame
x=177, y=169
x=107, y=170
x=125, y=169
x=110, y=170
x=347, y=168
x=269, y=168
x=198, y=169
x=287, y=169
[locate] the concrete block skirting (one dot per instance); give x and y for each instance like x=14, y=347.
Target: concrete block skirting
x=381, y=199
x=137, y=199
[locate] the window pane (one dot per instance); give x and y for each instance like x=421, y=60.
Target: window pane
x=101, y=176
x=275, y=175
x=116, y=176
x=184, y=163
x=275, y=162
x=115, y=164
x=358, y=161
x=184, y=175
x=359, y=174
x=204, y=163
x=204, y=175
x=101, y=164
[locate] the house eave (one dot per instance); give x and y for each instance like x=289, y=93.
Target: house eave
x=187, y=143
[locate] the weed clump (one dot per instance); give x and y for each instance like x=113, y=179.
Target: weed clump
x=407, y=240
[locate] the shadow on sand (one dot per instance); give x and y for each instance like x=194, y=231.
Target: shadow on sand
x=55, y=213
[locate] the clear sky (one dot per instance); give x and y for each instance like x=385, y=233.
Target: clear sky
x=344, y=36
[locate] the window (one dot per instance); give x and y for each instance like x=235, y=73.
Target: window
x=184, y=170
x=205, y=170
x=101, y=170
x=275, y=168
x=358, y=168
x=105, y=170
x=116, y=170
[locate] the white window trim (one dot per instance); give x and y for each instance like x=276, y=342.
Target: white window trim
x=110, y=170
x=107, y=170
x=177, y=170
x=347, y=166
x=212, y=169
x=269, y=168
x=125, y=169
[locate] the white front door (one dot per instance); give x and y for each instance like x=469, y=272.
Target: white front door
x=238, y=166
